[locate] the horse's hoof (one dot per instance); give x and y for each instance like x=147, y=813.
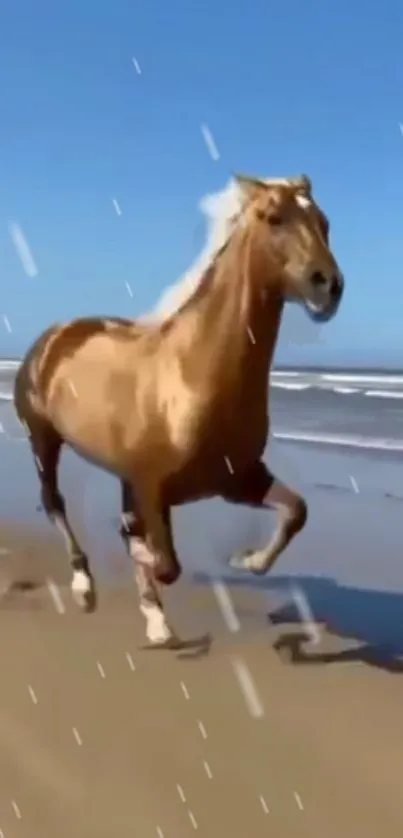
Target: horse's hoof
x=168, y=642
x=244, y=561
x=160, y=635
x=237, y=562
x=241, y=561
x=83, y=591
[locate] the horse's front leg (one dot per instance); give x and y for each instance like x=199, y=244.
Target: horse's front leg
x=258, y=487
x=147, y=534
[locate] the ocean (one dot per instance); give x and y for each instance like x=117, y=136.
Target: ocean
x=352, y=408
x=358, y=408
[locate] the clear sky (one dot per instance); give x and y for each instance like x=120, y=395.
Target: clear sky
x=285, y=87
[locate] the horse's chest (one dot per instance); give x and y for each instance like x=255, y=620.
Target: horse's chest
x=181, y=407
x=201, y=424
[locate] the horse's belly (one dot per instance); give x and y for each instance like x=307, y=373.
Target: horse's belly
x=85, y=425
x=218, y=458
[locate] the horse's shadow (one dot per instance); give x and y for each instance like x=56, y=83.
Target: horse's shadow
x=292, y=647
x=372, y=618
x=190, y=649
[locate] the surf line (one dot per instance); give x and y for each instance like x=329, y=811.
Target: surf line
x=374, y=443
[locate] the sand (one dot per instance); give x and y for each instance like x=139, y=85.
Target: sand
x=249, y=730
x=100, y=736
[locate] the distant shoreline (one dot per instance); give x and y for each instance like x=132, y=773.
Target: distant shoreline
x=334, y=368
x=306, y=368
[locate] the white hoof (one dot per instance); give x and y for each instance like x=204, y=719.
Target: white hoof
x=249, y=561
x=83, y=591
x=161, y=634
x=158, y=631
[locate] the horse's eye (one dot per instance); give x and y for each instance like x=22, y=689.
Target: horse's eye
x=275, y=219
x=272, y=218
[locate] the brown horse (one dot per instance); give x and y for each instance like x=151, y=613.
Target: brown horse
x=178, y=410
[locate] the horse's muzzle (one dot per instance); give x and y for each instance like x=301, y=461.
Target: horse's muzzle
x=325, y=312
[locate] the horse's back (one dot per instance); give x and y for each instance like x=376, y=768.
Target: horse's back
x=44, y=356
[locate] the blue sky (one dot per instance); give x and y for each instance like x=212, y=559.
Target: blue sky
x=285, y=87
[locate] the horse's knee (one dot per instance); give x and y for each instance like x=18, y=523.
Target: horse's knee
x=297, y=514
x=167, y=574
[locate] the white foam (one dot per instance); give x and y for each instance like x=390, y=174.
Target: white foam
x=282, y=385
x=378, y=378
x=345, y=440
x=343, y=383
x=7, y=364
x=286, y=374
x=385, y=394
x=345, y=390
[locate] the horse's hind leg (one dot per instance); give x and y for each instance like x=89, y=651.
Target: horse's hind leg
x=135, y=537
x=46, y=445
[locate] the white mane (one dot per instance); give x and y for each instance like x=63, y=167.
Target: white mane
x=222, y=211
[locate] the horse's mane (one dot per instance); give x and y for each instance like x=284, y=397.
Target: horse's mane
x=222, y=210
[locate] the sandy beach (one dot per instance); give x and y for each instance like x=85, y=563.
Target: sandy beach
x=255, y=727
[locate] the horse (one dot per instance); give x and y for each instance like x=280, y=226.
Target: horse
x=177, y=407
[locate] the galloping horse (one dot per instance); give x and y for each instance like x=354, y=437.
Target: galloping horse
x=178, y=409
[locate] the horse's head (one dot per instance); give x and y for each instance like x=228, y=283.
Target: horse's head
x=292, y=235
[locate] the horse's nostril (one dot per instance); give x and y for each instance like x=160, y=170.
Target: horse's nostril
x=318, y=279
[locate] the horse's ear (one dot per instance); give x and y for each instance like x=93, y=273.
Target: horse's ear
x=303, y=184
x=251, y=187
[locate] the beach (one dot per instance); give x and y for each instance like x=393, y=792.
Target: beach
x=280, y=715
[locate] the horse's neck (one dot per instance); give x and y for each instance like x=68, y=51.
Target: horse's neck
x=232, y=326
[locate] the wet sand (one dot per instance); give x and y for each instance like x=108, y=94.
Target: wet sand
x=252, y=728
